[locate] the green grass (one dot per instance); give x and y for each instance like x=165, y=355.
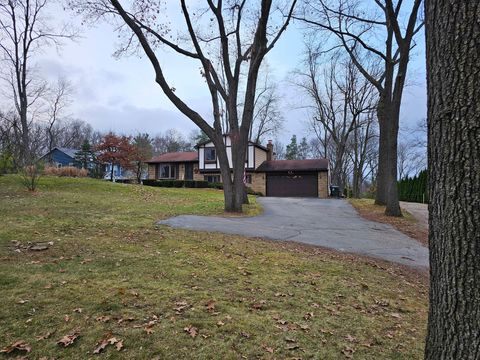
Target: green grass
x=110, y=259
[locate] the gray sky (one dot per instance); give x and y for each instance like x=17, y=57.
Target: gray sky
x=122, y=96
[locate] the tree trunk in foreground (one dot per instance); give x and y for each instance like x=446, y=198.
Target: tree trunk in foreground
x=453, y=83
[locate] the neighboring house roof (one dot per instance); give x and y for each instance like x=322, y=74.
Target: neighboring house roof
x=67, y=151
x=189, y=156
x=290, y=165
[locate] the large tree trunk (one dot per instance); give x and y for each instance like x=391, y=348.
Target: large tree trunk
x=391, y=189
x=25, y=157
x=453, y=78
x=380, y=193
x=387, y=192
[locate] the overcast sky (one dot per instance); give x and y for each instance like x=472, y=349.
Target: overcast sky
x=121, y=95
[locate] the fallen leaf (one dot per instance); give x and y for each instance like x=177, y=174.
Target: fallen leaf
x=293, y=347
x=68, y=340
x=148, y=330
x=119, y=345
x=396, y=315
x=101, y=346
x=103, y=319
x=22, y=301
x=181, y=306
x=130, y=318
x=18, y=345
x=210, y=305
x=66, y=318
x=191, y=330
x=220, y=323
x=290, y=340
x=108, y=341
x=268, y=349
x=308, y=316
x=348, y=352
x=44, y=336
x=78, y=310
x=350, y=338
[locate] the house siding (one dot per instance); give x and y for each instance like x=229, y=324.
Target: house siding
x=259, y=183
x=260, y=156
x=323, y=184
x=152, y=171
x=196, y=173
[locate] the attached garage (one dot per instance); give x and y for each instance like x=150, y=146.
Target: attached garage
x=292, y=184
x=295, y=178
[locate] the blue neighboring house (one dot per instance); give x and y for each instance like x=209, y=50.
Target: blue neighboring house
x=60, y=157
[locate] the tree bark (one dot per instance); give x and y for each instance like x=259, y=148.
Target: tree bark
x=453, y=78
x=380, y=193
x=390, y=180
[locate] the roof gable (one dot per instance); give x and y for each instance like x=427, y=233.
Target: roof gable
x=225, y=136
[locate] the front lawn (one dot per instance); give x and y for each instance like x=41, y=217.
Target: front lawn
x=155, y=292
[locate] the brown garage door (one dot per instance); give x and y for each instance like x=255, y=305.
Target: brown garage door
x=294, y=185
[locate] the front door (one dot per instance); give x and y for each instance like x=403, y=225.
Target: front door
x=188, y=171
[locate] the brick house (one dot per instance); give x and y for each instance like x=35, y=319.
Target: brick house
x=293, y=178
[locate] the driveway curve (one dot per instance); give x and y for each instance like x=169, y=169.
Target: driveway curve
x=329, y=223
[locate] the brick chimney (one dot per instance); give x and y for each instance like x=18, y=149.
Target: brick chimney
x=269, y=150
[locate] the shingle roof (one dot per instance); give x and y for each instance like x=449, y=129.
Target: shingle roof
x=291, y=165
x=68, y=151
x=186, y=156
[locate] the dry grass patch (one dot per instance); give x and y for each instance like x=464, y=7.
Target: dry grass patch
x=406, y=224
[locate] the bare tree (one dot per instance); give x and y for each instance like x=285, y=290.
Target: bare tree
x=171, y=141
x=363, y=147
x=362, y=32
x=341, y=98
x=268, y=118
x=278, y=150
x=58, y=101
x=239, y=44
x=24, y=31
x=453, y=78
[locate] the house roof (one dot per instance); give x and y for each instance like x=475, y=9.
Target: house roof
x=293, y=165
x=189, y=156
x=67, y=151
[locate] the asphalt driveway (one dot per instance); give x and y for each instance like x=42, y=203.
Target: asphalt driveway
x=329, y=223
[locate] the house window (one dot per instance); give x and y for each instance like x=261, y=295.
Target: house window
x=248, y=178
x=210, y=154
x=212, y=178
x=166, y=172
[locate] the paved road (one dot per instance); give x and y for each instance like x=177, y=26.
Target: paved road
x=328, y=223
x=419, y=212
